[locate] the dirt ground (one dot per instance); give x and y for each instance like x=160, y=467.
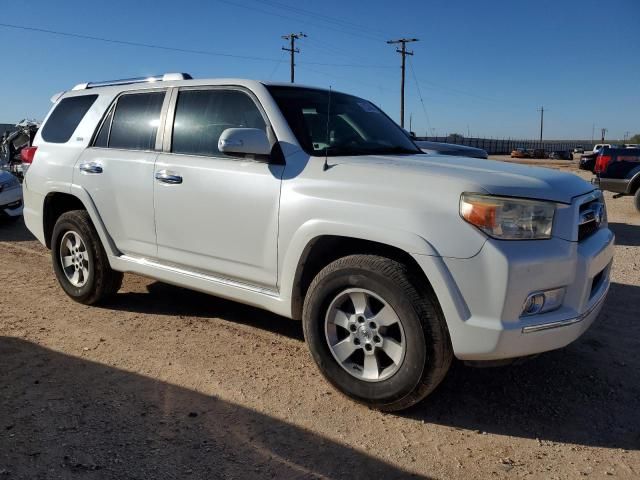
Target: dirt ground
x=167, y=383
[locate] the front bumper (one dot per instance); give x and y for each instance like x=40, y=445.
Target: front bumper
x=483, y=296
x=11, y=202
x=615, y=185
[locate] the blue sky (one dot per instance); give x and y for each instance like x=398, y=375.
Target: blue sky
x=482, y=67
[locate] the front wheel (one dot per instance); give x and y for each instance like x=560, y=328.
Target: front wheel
x=376, y=332
x=79, y=260
x=636, y=199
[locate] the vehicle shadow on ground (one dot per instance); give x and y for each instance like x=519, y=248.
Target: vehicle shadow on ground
x=586, y=393
x=164, y=299
x=64, y=416
x=14, y=231
x=626, y=234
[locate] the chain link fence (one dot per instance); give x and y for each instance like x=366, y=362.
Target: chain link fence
x=504, y=146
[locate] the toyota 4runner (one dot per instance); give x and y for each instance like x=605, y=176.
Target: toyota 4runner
x=313, y=204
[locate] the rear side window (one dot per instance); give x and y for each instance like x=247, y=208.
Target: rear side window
x=135, y=122
x=64, y=120
x=202, y=115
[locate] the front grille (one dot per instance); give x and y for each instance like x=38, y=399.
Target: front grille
x=587, y=229
x=591, y=216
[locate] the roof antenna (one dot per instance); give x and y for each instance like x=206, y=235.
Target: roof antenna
x=326, y=167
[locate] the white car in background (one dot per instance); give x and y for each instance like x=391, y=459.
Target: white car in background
x=10, y=196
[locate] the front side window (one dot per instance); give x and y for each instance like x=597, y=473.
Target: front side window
x=202, y=115
x=338, y=124
x=135, y=122
x=64, y=120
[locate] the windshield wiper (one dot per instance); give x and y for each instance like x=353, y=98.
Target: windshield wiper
x=340, y=150
x=392, y=150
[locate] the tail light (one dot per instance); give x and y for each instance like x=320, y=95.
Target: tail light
x=602, y=162
x=27, y=154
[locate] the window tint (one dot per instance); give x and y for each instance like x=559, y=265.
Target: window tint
x=65, y=118
x=202, y=116
x=136, y=120
x=102, y=140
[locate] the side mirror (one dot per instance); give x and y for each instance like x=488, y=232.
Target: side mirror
x=251, y=141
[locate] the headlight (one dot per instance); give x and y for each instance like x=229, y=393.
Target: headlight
x=508, y=218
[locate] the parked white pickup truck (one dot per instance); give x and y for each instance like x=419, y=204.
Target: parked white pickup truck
x=315, y=205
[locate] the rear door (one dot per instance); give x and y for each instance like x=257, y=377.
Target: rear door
x=117, y=170
x=216, y=214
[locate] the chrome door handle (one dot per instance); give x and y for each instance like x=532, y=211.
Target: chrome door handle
x=167, y=176
x=91, y=167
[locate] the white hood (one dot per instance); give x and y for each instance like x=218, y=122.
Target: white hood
x=498, y=178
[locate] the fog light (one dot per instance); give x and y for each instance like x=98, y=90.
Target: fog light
x=544, y=301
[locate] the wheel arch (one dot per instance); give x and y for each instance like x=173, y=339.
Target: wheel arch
x=58, y=203
x=323, y=249
x=634, y=183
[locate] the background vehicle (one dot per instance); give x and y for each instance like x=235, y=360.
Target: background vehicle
x=451, y=149
x=315, y=205
x=631, y=145
x=578, y=149
x=12, y=144
x=10, y=196
x=561, y=155
x=618, y=170
x=520, y=153
x=599, y=146
x=588, y=161
x=538, y=153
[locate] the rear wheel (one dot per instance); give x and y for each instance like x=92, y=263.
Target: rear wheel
x=79, y=260
x=636, y=199
x=375, y=332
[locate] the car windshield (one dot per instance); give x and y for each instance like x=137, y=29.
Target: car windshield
x=337, y=124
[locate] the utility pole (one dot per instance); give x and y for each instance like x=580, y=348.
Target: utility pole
x=541, y=110
x=593, y=131
x=402, y=51
x=603, y=131
x=292, y=37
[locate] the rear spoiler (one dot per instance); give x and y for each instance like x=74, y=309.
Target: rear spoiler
x=57, y=96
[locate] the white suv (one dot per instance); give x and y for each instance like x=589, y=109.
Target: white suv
x=314, y=205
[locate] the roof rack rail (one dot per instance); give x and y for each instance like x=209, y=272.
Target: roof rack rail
x=128, y=81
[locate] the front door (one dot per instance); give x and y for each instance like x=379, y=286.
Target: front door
x=215, y=213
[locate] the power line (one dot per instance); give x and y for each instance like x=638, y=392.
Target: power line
x=424, y=108
x=403, y=52
x=273, y=72
x=292, y=37
x=339, y=77
x=322, y=17
x=297, y=19
x=135, y=44
x=173, y=49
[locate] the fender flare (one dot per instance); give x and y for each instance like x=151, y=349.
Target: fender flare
x=634, y=181
x=311, y=230
x=84, y=196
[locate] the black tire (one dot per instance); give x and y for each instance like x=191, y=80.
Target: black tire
x=101, y=281
x=428, y=346
x=636, y=199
